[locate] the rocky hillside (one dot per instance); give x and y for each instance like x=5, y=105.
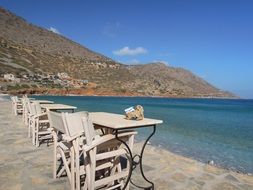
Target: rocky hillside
x=26, y=48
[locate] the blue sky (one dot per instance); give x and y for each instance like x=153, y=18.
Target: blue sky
x=211, y=38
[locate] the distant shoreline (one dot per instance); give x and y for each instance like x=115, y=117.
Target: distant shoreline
x=134, y=96
x=138, y=96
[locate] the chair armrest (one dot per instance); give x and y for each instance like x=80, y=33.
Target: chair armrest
x=39, y=115
x=30, y=115
x=106, y=138
x=68, y=138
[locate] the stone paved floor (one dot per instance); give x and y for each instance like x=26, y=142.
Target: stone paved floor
x=22, y=166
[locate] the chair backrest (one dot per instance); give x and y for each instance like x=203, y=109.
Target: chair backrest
x=56, y=121
x=24, y=100
x=89, y=130
x=74, y=124
x=29, y=107
x=14, y=99
x=37, y=108
x=33, y=109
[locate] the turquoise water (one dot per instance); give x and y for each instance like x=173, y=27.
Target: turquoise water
x=203, y=129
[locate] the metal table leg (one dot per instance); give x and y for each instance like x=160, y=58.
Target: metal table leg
x=134, y=164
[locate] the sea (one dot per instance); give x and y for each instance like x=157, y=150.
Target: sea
x=218, y=130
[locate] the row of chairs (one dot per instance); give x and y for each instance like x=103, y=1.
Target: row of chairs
x=17, y=107
x=34, y=118
x=91, y=158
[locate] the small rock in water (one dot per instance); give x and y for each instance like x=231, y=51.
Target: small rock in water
x=210, y=162
x=148, y=142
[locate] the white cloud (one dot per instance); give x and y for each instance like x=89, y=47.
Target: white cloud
x=54, y=30
x=161, y=61
x=128, y=51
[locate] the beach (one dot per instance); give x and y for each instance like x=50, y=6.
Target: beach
x=24, y=166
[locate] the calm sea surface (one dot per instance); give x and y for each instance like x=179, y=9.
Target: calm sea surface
x=203, y=129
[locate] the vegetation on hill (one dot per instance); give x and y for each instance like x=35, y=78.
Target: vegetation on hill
x=26, y=48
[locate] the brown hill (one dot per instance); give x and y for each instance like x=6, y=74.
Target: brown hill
x=26, y=48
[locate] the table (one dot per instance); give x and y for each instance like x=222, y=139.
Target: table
x=56, y=107
x=42, y=101
x=117, y=123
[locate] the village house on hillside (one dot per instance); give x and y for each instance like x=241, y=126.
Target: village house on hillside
x=11, y=77
x=63, y=75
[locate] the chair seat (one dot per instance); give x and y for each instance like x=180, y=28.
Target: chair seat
x=44, y=121
x=46, y=137
x=44, y=133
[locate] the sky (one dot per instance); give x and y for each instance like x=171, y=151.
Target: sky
x=211, y=38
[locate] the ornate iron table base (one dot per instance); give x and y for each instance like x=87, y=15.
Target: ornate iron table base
x=134, y=164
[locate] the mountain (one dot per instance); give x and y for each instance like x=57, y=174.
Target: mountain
x=26, y=48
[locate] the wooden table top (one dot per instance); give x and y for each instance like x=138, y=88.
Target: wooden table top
x=43, y=101
x=58, y=107
x=117, y=121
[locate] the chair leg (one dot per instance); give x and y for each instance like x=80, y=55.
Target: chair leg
x=30, y=122
x=66, y=163
x=34, y=132
x=55, y=153
x=87, y=182
x=72, y=157
x=26, y=119
x=131, y=145
x=115, y=168
x=15, y=109
x=77, y=164
x=37, y=136
x=64, y=168
x=93, y=167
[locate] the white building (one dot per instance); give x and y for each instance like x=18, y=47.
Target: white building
x=63, y=75
x=11, y=77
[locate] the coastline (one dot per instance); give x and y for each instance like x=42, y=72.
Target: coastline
x=105, y=93
x=169, y=169
x=139, y=96
x=166, y=169
x=157, y=147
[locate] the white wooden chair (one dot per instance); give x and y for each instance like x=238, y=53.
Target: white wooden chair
x=16, y=105
x=99, y=155
x=25, y=102
x=39, y=125
x=13, y=104
x=30, y=122
x=103, y=154
x=63, y=147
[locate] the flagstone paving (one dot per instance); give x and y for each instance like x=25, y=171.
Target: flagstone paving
x=24, y=167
